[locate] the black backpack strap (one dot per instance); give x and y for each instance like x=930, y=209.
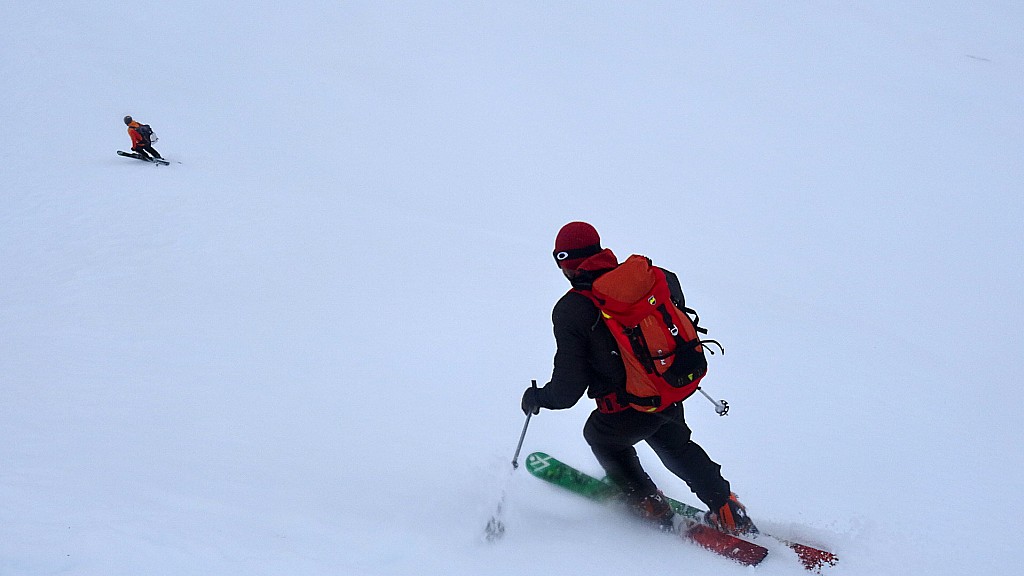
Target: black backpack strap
x=705, y=343
x=649, y=401
x=638, y=344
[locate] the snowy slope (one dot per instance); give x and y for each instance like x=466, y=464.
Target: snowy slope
x=300, y=348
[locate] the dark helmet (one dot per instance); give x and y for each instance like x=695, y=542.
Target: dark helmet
x=127, y=120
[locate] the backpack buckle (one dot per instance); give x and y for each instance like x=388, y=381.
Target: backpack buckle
x=609, y=404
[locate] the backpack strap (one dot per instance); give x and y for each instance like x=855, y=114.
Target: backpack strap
x=700, y=330
x=610, y=404
x=620, y=401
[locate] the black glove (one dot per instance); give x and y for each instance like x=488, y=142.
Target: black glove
x=531, y=401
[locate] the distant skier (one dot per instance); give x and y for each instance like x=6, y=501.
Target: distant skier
x=589, y=359
x=141, y=135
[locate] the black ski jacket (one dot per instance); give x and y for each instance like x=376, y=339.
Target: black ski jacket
x=587, y=358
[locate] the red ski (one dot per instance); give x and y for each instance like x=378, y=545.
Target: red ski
x=812, y=558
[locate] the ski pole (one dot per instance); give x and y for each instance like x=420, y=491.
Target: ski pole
x=721, y=406
x=495, y=528
x=522, y=436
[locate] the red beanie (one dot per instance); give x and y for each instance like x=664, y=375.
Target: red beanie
x=576, y=242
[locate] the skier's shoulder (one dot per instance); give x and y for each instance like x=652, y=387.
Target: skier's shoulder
x=574, y=300
x=573, y=308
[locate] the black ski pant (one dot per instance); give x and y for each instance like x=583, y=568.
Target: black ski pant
x=142, y=149
x=612, y=438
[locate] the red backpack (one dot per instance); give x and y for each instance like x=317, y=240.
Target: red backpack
x=658, y=342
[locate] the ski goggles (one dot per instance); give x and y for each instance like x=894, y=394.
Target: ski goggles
x=562, y=256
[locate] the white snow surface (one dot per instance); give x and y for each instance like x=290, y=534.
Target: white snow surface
x=299, y=349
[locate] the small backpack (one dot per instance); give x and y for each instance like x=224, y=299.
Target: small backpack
x=147, y=133
x=658, y=342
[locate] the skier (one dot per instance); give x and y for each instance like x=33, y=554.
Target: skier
x=587, y=360
x=141, y=143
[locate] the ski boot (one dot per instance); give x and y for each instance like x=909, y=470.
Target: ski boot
x=652, y=508
x=731, y=518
